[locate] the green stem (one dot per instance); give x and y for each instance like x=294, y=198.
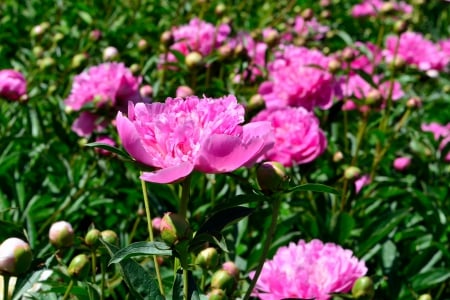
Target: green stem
x=94, y=265
x=268, y=242
x=185, y=284
x=185, y=190
x=103, y=280
x=150, y=233
x=6, y=279
x=67, y=293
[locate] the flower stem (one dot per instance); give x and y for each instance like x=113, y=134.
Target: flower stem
x=273, y=224
x=6, y=286
x=185, y=284
x=67, y=293
x=185, y=190
x=150, y=233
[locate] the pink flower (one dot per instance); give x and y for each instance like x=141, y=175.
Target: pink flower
x=107, y=87
x=361, y=182
x=298, y=77
x=373, y=7
x=359, y=88
x=183, y=135
x=367, y=60
x=310, y=28
x=13, y=85
x=298, y=137
x=402, y=163
x=184, y=91
x=416, y=50
x=308, y=270
x=440, y=132
x=105, y=140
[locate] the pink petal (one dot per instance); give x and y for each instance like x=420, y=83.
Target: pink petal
x=131, y=140
x=168, y=175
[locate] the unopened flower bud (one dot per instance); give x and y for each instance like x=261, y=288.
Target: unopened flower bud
x=271, y=176
x=240, y=52
x=78, y=60
x=92, y=238
x=334, y=66
x=255, y=103
x=402, y=163
x=156, y=224
x=352, y=172
x=95, y=35
x=299, y=41
x=349, y=105
x=207, y=258
x=110, y=53
x=325, y=3
x=307, y=14
x=387, y=8
x=414, y=102
x=45, y=63
x=231, y=268
x=271, y=37
x=40, y=29
x=373, y=97
x=217, y=294
x=110, y=237
x=338, y=156
x=166, y=38
x=348, y=54
x=174, y=229
x=193, y=60
x=425, y=297
x=397, y=63
x=225, y=52
x=221, y=279
x=363, y=288
x=226, y=20
x=184, y=91
x=15, y=257
x=61, y=234
x=135, y=69
x=57, y=37
x=220, y=9
x=142, y=45
x=325, y=14
x=146, y=90
x=400, y=26
x=79, y=267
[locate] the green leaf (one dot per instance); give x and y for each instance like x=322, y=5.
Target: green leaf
x=242, y=199
x=141, y=248
x=314, y=187
x=109, y=148
x=177, y=288
x=344, y=226
x=219, y=220
x=429, y=279
x=85, y=17
x=142, y=284
x=345, y=37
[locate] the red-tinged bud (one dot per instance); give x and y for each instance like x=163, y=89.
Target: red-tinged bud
x=271, y=176
x=308, y=14
x=217, y=294
x=40, y=29
x=348, y=54
x=79, y=267
x=92, y=238
x=208, y=258
x=156, y=224
x=166, y=38
x=352, y=172
x=338, y=156
x=255, y=103
x=223, y=280
x=95, y=35
x=15, y=257
x=225, y=52
x=142, y=45
x=110, y=237
x=174, y=229
x=231, y=268
x=363, y=288
x=61, y=234
x=184, y=91
x=414, y=102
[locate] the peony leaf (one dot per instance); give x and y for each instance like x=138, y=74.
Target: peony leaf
x=141, y=248
x=109, y=148
x=314, y=187
x=430, y=278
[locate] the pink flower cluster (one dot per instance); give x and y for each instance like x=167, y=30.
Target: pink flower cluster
x=373, y=7
x=310, y=28
x=417, y=51
x=106, y=88
x=441, y=133
x=308, y=270
x=183, y=135
x=299, y=77
x=298, y=137
x=13, y=85
x=256, y=52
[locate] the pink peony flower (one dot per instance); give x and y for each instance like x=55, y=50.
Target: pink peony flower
x=366, y=59
x=106, y=87
x=183, y=135
x=298, y=137
x=308, y=270
x=402, y=163
x=359, y=88
x=373, y=7
x=299, y=77
x=13, y=85
x=416, y=50
x=440, y=132
x=361, y=182
x=310, y=28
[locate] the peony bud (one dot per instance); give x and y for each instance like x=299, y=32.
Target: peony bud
x=61, y=234
x=135, y=69
x=307, y=14
x=95, y=35
x=220, y=9
x=78, y=60
x=402, y=163
x=15, y=257
x=79, y=267
x=231, y=268
x=338, y=156
x=110, y=237
x=146, y=91
x=92, y=238
x=166, y=38
x=255, y=103
x=334, y=66
x=207, y=258
x=193, y=60
x=217, y=294
x=184, y=91
x=271, y=37
x=425, y=297
x=400, y=26
x=387, y=8
x=414, y=102
x=225, y=52
x=221, y=279
x=348, y=54
x=271, y=175
x=352, y=172
x=174, y=229
x=45, y=62
x=110, y=53
x=363, y=288
x=373, y=97
x=38, y=51
x=325, y=14
x=142, y=45
x=156, y=224
x=40, y=29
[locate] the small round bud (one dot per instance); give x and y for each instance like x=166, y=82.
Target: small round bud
x=225, y=52
x=135, y=69
x=271, y=37
x=78, y=60
x=352, y=172
x=400, y=26
x=325, y=3
x=255, y=103
x=387, y=8
x=363, y=288
x=193, y=60
x=307, y=14
x=425, y=297
x=45, y=63
x=110, y=53
x=349, y=105
x=142, y=45
x=348, y=54
x=299, y=40
x=15, y=257
x=231, y=268
x=95, y=35
x=402, y=163
x=270, y=175
x=79, y=267
x=174, y=229
x=217, y=294
x=208, y=258
x=38, y=51
x=221, y=279
x=92, y=238
x=61, y=234
x=146, y=90
x=156, y=224
x=373, y=97
x=110, y=237
x=226, y=20
x=184, y=91
x=166, y=38
x=338, y=156
x=220, y=9
x=398, y=63
x=325, y=14
x=334, y=66
x=40, y=29
x=414, y=102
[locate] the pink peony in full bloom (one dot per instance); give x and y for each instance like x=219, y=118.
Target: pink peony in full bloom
x=299, y=77
x=107, y=87
x=13, y=85
x=373, y=7
x=297, y=133
x=417, y=51
x=402, y=163
x=183, y=135
x=441, y=133
x=308, y=270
